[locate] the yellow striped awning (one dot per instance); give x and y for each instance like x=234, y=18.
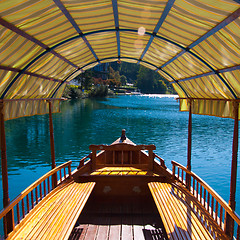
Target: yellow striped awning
x=194, y=44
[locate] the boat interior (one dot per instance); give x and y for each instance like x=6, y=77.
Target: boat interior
x=194, y=45
x=119, y=191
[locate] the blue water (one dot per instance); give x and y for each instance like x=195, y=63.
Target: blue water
x=147, y=120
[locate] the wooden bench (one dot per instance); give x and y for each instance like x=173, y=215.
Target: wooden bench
x=183, y=217
x=55, y=216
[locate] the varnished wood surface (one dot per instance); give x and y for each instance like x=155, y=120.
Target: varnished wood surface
x=182, y=216
x=214, y=194
x=125, y=218
x=122, y=171
x=122, y=146
x=55, y=216
x=32, y=187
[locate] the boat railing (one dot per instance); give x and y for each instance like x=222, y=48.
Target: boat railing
x=31, y=196
x=162, y=162
x=220, y=211
x=84, y=160
x=123, y=154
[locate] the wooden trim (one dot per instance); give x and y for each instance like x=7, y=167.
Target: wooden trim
x=94, y=155
x=8, y=219
x=179, y=212
x=31, y=187
x=53, y=219
x=51, y=134
x=4, y=157
x=229, y=224
x=146, y=165
x=189, y=149
x=150, y=159
x=232, y=201
x=189, y=152
x=122, y=147
x=232, y=213
x=81, y=162
x=162, y=162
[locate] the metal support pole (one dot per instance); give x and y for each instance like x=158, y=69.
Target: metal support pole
x=189, y=153
x=232, y=200
x=54, y=178
x=8, y=220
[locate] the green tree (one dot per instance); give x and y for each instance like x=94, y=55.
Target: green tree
x=85, y=79
x=117, y=76
x=123, y=80
x=114, y=78
x=111, y=74
x=145, y=80
x=160, y=87
x=149, y=81
x=113, y=83
x=99, y=91
x=130, y=70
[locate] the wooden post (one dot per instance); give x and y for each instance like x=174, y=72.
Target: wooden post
x=151, y=159
x=54, y=177
x=173, y=172
x=232, y=202
x=8, y=220
x=189, y=153
x=94, y=154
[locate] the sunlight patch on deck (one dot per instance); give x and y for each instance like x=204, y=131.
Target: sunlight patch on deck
x=120, y=171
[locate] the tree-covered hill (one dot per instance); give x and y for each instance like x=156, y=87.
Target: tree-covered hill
x=115, y=75
x=145, y=79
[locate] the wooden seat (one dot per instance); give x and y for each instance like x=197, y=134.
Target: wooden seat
x=55, y=216
x=183, y=217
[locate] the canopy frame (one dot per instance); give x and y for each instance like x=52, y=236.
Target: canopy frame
x=228, y=20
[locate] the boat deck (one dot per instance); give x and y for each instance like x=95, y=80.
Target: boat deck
x=119, y=218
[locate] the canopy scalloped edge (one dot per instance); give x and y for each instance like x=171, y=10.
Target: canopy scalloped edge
x=194, y=45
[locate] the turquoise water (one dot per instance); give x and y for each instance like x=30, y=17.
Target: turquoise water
x=147, y=120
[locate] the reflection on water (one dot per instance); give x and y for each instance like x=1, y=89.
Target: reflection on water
x=147, y=119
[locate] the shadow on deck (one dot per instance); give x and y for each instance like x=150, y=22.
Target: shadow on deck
x=119, y=218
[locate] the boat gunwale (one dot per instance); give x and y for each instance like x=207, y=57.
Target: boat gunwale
x=217, y=197
x=25, y=192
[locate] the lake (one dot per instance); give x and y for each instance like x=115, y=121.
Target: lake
x=148, y=119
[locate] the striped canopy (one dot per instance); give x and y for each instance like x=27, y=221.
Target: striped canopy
x=194, y=44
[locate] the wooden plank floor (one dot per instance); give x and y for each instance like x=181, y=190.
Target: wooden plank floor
x=117, y=219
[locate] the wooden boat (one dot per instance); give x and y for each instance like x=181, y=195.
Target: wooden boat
x=192, y=44
x=120, y=191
